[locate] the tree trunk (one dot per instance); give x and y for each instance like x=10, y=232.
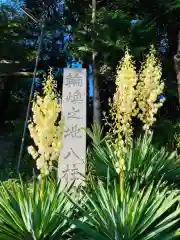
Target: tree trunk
x=177, y=65
x=96, y=93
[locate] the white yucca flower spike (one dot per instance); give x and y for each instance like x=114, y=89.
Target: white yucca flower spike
x=149, y=88
x=44, y=127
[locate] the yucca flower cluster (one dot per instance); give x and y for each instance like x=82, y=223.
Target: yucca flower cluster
x=148, y=89
x=45, y=128
x=136, y=96
x=123, y=107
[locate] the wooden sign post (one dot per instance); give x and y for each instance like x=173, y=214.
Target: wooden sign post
x=73, y=153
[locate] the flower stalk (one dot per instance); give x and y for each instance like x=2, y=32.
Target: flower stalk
x=136, y=96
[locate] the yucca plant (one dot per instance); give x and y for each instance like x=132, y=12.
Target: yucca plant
x=96, y=133
x=26, y=214
x=142, y=161
x=144, y=214
x=146, y=163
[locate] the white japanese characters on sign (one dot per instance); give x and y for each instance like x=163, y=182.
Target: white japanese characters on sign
x=73, y=153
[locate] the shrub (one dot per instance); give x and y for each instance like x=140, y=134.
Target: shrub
x=142, y=214
x=142, y=161
x=25, y=214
